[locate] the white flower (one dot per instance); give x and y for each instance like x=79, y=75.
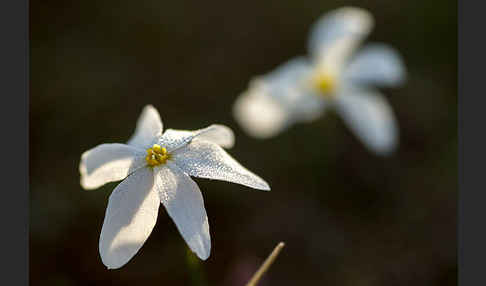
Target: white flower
x=335, y=76
x=156, y=167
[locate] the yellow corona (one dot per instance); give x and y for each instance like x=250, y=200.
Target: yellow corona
x=325, y=83
x=156, y=155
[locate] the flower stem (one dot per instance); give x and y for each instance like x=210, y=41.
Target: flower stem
x=196, y=271
x=266, y=264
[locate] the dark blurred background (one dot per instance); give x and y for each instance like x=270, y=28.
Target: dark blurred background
x=347, y=216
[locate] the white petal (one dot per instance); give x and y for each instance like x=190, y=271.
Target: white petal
x=184, y=203
x=334, y=37
x=278, y=99
x=371, y=118
x=173, y=139
x=290, y=85
x=207, y=160
x=149, y=127
x=260, y=115
x=376, y=64
x=219, y=134
x=130, y=217
x=109, y=163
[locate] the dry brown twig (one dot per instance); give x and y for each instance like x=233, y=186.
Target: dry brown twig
x=266, y=264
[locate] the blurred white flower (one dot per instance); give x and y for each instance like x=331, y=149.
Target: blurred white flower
x=301, y=89
x=156, y=167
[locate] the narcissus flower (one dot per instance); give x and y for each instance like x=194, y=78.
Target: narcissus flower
x=336, y=76
x=155, y=168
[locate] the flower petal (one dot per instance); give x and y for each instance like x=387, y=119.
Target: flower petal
x=185, y=205
x=278, y=99
x=207, y=160
x=109, y=163
x=334, y=37
x=129, y=219
x=370, y=116
x=149, y=127
x=290, y=85
x=376, y=64
x=260, y=115
x=219, y=134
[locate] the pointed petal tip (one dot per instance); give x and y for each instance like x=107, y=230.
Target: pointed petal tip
x=148, y=106
x=205, y=252
x=225, y=134
x=202, y=253
x=82, y=164
x=203, y=256
x=265, y=187
x=262, y=185
x=356, y=12
x=258, y=114
x=111, y=265
x=111, y=261
x=84, y=185
x=384, y=150
x=353, y=9
x=387, y=151
x=84, y=182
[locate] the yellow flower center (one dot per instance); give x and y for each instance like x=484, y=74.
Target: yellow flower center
x=325, y=83
x=156, y=155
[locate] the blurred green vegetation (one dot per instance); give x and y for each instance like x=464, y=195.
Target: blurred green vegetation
x=347, y=217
